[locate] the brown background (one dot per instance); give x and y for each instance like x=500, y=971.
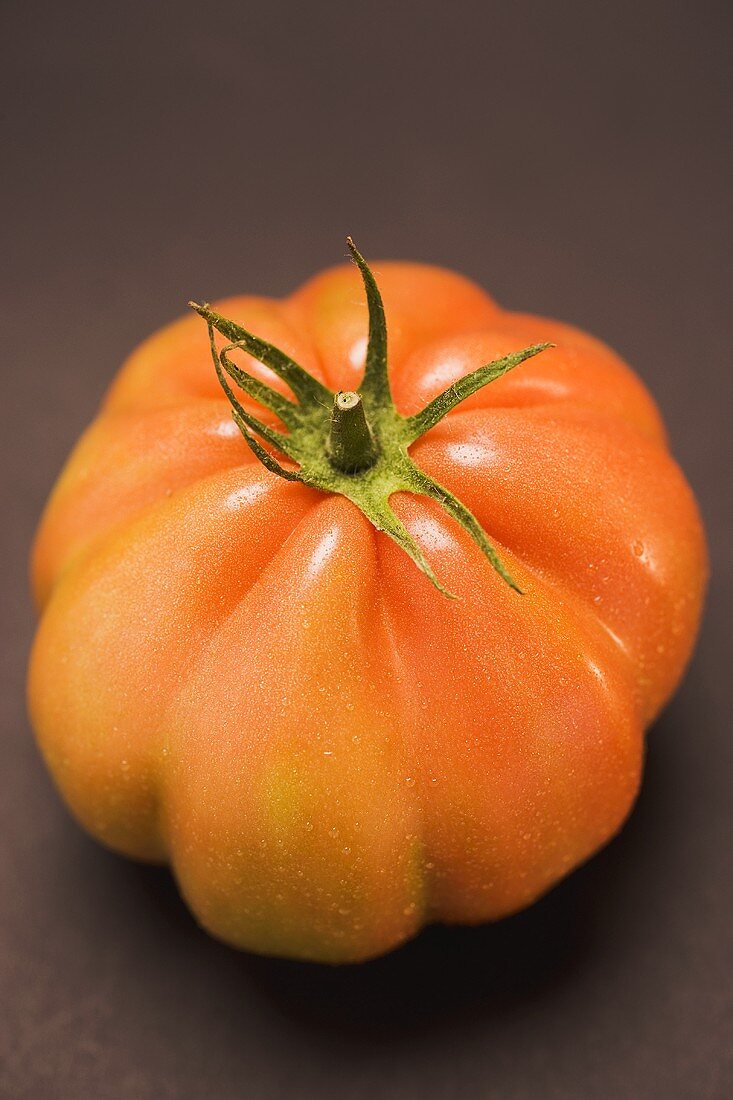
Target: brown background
x=575, y=159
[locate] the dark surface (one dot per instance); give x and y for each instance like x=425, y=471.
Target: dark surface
x=573, y=158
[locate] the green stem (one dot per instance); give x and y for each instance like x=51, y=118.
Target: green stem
x=351, y=446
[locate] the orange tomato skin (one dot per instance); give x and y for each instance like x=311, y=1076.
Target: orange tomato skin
x=240, y=676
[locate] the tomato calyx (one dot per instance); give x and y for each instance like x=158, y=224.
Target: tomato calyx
x=351, y=442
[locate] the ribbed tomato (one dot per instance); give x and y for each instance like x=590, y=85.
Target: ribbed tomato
x=240, y=674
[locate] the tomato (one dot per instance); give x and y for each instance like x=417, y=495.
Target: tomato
x=382, y=650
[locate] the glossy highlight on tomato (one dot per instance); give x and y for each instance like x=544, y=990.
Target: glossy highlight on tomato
x=240, y=675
